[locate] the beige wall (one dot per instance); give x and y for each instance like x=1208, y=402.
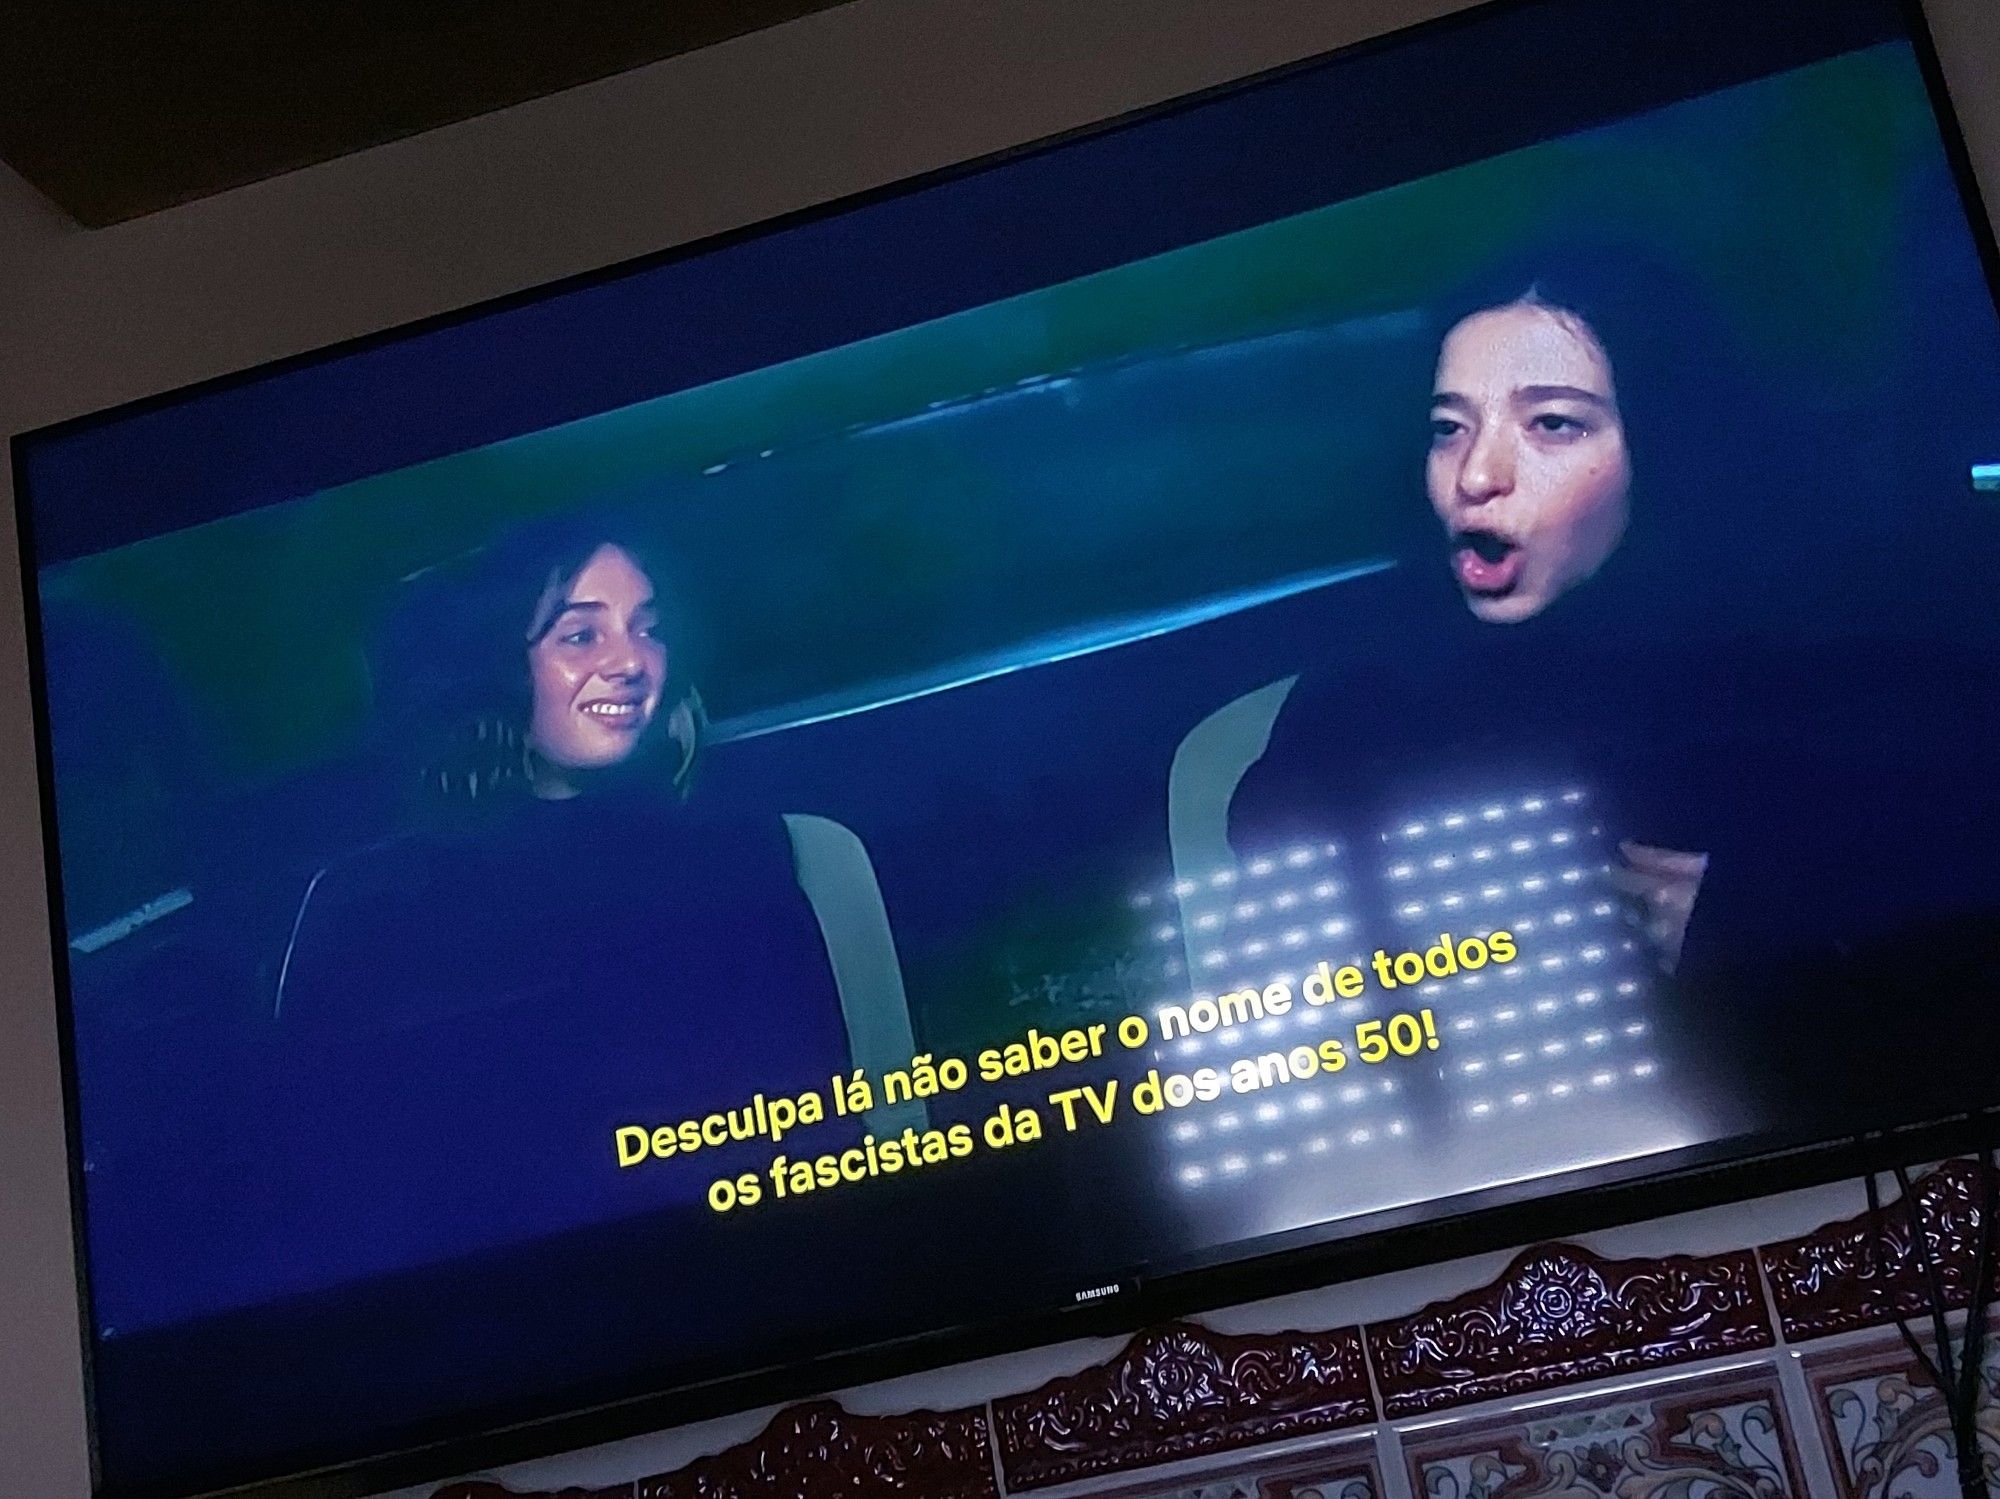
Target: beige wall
x=865, y=95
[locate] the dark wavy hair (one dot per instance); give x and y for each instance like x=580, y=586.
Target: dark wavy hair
x=453, y=691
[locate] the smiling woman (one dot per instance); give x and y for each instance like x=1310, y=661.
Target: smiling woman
x=556, y=919
x=542, y=664
x=596, y=667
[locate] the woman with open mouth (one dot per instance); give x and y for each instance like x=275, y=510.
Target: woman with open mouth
x=1647, y=584
x=1504, y=732
x=1530, y=475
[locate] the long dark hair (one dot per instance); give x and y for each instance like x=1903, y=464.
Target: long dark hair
x=453, y=693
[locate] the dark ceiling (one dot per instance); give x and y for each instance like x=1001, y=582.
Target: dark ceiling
x=115, y=108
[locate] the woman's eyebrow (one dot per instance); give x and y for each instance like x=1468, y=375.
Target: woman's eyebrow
x=567, y=605
x=1450, y=398
x=1561, y=393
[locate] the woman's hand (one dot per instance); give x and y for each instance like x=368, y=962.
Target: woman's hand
x=1664, y=882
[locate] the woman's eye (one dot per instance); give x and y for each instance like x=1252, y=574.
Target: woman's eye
x=581, y=637
x=1445, y=428
x=1556, y=424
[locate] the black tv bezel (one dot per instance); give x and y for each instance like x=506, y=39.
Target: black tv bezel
x=1697, y=1177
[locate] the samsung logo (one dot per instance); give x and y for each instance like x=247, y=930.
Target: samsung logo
x=1097, y=1293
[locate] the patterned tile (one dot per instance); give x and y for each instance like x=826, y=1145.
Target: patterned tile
x=1561, y=1315
x=1719, y=1438
x=1343, y=1470
x=1846, y=1274
x=1885, y=1426
x=812, y=1450
x=1181, y=1391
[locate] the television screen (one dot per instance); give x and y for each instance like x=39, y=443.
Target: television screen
x=1409, y=637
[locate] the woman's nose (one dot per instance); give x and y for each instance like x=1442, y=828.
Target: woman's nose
x=1488, y=471
x=623, y=660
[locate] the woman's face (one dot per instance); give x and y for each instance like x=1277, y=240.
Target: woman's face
x=597, y=671
x=1528, y=469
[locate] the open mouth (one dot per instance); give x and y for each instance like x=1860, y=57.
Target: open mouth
x=1485, y=562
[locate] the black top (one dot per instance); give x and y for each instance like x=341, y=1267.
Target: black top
x=1835, y=772
x=473, y=1012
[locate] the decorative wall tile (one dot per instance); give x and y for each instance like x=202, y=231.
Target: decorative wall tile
x=1887, y=1433
x=1181, y=1391
x=818, y=1449
x=1841, y=1276
x=1560, y=1314
x=1343, y=1470
x=1355, y=1479
x=1721, y=1438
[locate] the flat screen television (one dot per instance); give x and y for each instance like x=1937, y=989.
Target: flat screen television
x=1394, y=657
